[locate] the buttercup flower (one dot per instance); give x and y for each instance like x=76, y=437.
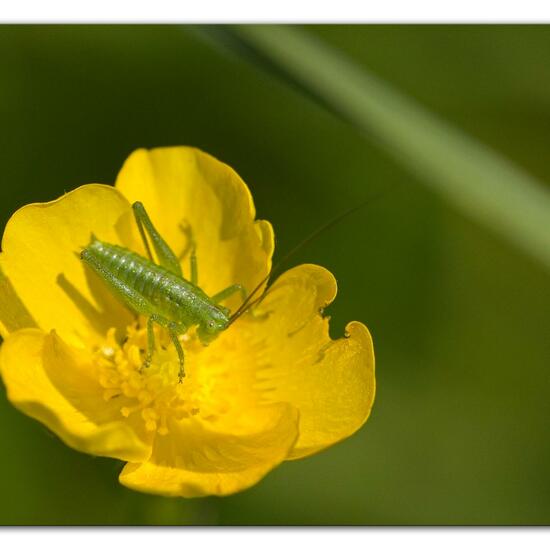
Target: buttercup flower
x=271, y=387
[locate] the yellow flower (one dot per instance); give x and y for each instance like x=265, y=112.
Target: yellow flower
x=271, y=388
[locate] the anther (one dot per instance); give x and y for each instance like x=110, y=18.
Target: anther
x=155, y=396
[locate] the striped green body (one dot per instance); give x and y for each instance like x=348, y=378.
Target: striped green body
x=159, y=291
x=150, y=289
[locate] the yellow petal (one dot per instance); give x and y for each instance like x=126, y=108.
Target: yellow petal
x=331, y=382
x=184, y=185
x=40, y=259
x=13, y=313
x=196, y=460
x=53, y=383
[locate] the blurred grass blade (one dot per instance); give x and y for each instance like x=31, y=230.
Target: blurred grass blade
x=472, y=176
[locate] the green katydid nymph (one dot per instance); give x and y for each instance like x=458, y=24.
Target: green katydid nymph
x=163, y=295
x=159, y=291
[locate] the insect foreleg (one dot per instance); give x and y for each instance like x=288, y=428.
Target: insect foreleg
x=173, y=329
x=190, y=247
x=165, y=255
x=179, y=349
x=150, y=341
x=229, y=291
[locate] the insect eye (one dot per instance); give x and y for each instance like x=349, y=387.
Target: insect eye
x=211, y=324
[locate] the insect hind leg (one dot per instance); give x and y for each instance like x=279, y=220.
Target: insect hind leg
x=191, y=247
x=165, y=255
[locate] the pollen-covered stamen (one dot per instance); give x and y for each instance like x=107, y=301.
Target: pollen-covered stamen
x=151, y=392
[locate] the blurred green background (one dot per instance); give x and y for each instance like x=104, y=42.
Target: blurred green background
x=460, y=317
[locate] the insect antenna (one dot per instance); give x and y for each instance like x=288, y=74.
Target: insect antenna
x=250, y=301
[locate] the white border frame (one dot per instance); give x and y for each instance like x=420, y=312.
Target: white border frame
x=281, y=11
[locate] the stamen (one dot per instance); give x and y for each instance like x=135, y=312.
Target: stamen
x=153, y=392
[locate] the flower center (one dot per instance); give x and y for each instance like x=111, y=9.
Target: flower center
x=153, y=392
